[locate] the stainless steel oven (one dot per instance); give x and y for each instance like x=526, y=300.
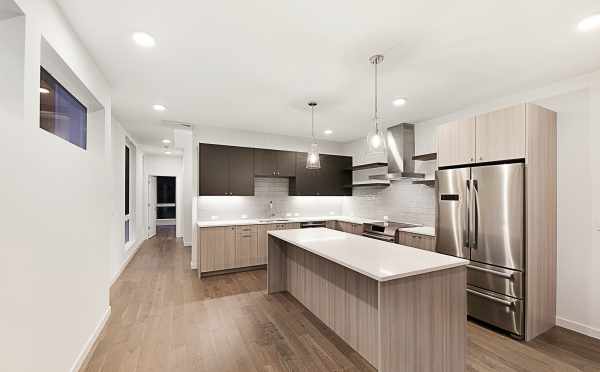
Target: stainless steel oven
x=385, y=231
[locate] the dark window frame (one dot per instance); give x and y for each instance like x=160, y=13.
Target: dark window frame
x=127, y=180
x=47, y=77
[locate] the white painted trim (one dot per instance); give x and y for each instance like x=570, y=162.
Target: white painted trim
x=193, y=265
x=132, y=251
x=90, y=345
x=166, y=221
x=187, y=244
x=578, y=327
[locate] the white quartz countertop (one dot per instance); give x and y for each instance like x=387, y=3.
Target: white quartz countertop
x=376, y=259
x=421, y=230
x=250, y=221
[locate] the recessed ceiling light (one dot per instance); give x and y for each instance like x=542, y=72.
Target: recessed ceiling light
x=328, y=131
x=159, y=107
x=143, y=39
x=44, y=91
x=589, y=23
x=166, y=141
x=168, y=152
x=399, y=102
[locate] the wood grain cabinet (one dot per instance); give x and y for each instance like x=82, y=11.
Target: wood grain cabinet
x=456, y=143
x=226, y=170
x=351, y=228
x=263, y=237
x=274, y=163
x=217, y=248
x=424, y=242
x=246, y=246
x=501, y=135
x=495, y=136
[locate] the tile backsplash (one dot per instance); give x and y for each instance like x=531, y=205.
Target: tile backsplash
x=402, y=201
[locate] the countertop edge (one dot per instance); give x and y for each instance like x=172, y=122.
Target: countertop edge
x=370, y=275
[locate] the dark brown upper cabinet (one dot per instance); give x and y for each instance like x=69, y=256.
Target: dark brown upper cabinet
x=335, y=173
x=273, y=163
x=226, y=170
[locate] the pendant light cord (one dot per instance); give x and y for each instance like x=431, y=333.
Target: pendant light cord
x=375, y=103
x=313, y=121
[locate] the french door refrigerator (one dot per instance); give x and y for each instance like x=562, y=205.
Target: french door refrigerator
x=481, y=217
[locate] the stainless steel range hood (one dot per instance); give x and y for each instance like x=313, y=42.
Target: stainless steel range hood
x=400, y=151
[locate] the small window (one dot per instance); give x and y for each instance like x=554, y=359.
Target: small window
x=127, y=180
x=60, y=112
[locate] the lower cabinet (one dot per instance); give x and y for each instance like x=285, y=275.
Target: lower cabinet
x=351, y=228
x=331, y=225
x=424, y=242
x=234, y=247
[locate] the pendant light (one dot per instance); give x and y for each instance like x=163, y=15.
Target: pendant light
x=376, y=138
x=312, y=159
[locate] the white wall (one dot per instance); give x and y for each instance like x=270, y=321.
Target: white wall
x=121, y=253
x=577, y=102
x=59, y=207
x=184, y=139
x=171, y=166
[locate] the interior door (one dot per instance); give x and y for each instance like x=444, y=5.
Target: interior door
x=151, y=206
x=497, y=227
x=452, y=212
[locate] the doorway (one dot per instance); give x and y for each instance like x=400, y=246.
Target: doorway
x=162, y=203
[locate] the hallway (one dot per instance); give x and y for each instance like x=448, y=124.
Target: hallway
x=165, y=319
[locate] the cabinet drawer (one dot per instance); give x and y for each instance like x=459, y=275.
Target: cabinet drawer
x=246, y=231
x=496, y=279
x=502, y=311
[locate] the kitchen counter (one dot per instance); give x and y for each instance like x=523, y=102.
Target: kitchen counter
x=420, y=230
x=378, y=297
x=379, y=260
x=249, y=221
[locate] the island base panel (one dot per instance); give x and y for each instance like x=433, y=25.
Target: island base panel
x=409, y=324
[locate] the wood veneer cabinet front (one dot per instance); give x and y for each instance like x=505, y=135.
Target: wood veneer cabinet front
x=274, y=163
x=410, y=324
x=217, y=248
x=501, y=135
x=424, y=242
x=456, y=142
x=226, y=170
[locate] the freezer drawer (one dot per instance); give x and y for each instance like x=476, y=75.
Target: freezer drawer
x=501, y=311
x=495, y=279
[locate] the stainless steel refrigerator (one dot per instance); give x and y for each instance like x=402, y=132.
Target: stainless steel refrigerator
x=481, y=217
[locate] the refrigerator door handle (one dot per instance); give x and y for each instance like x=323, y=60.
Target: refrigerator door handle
x=475, y=208
x=467, y=215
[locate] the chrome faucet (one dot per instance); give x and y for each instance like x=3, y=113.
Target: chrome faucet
x=271, y=209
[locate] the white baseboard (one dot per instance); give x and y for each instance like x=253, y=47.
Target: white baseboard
x=91, y=343
x=132, y=251
x=578, y=327
x=187, y=244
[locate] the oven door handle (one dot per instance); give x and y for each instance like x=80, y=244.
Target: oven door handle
x=499, y=273
x=491, y=298
x=390, y=239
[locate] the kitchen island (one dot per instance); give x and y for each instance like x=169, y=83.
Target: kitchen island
x=401, y=308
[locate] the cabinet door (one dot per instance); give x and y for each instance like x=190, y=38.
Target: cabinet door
x=263, y=242
x=246, y=246
x=211, y=248
x=241, y=171
x=265, y=162
x=286, y=164
x=214, y=170
x=229, y=247
x=330, y=225
x=501, y=134
x=456, y=143
x=306, y=179
x=357, y=228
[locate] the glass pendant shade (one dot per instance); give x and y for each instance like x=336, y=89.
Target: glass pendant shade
x=376, y=141
x=313, y=160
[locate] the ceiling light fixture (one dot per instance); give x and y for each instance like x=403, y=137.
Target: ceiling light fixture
x=328, y=131
x=399, y=102
x=589, y=23
x=376, y=138
x=159, y=107
x=44, y=91
x=313, y=160
x=143, y=39
x=166, y=141
x=168, y=152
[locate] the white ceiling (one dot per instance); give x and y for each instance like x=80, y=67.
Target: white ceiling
x=255, y=64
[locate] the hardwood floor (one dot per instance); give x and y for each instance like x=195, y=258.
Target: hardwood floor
x=166, y=319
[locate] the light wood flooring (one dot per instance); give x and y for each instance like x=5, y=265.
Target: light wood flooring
x=166, y=319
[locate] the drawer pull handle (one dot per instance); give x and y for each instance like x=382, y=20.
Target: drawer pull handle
x=491, y=298
x=499, y=273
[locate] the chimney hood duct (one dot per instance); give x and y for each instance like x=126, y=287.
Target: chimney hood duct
x=400, y=151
